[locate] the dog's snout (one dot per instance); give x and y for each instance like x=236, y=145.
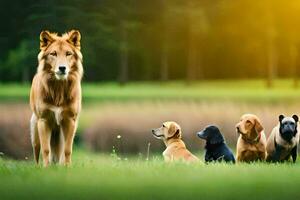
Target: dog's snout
x=237, y=128
x=62, y=69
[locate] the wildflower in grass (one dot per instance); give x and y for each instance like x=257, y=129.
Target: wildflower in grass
x=114, y=154
x=148, y=151
x=119, y=137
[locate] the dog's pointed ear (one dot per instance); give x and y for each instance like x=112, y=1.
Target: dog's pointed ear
x=295, y=117
x=258, y=126
x=281, y=117
x=174, y=131
x=74, y=38
x=45, y=39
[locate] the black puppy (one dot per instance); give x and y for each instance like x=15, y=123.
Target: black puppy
x=216, y=149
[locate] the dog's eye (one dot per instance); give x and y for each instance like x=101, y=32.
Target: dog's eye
x=68, y=53
x=164, y=126
x=248, y=122
x=53, y=53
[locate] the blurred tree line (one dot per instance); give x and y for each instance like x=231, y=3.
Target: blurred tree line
x=158, y=39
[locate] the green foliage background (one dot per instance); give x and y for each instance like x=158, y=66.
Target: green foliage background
x=193, y=39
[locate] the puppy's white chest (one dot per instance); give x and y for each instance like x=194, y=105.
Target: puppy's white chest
x=57, y=113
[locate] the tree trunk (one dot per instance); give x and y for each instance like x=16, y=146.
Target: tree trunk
x=294, y=55
x=191, y=70
x=272, y=62
x=123, y=73
x=164, y=72
x=164, y=59
x=272, y=49
x=25, y=75
x=192, y=61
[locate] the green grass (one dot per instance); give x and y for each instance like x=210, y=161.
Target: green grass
x=241, y=90
x=98, y=176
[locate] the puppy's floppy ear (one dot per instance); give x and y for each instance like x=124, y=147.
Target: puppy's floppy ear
x=258, y=127
x=216, y=138
x=74, y=38
x=45, y=39
x=281, y=117
x=177, y=134
x=174, y=131
x=295, y=117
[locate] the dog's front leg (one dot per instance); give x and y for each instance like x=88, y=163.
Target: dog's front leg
x=294, y=153
x=68, y=127
x=277, y=154
x=240, y=156
x=262, y=155
x=45, y=137
x=208, y=157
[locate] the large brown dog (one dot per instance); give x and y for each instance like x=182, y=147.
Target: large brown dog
x=170, y=133
x=251, y=144
x=55, y=97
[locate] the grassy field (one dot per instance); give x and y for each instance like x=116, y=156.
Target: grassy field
x=240, y=90
x=106, y=177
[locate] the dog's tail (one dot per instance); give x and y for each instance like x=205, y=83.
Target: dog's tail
x=35, y=140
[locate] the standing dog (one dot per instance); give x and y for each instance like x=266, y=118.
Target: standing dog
x=284, y=139
x=55, y=96
x=216, y=148
x=251, y=144
x=170, y=133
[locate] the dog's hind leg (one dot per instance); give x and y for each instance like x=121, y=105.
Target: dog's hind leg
x=60, y=149
x=294, y=153
x=35, y=140
x=56, y=146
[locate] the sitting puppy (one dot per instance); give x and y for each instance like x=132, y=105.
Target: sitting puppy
x=283, y=141
x=170, y=133
x=251, y=144
x=216, y=149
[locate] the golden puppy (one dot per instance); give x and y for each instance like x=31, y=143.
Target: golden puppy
x=251, y=144
x=170, y=133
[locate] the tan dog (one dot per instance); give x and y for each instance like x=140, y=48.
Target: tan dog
x=284, y=140
x=55, y=96
x=170, y=133
x=251, y=144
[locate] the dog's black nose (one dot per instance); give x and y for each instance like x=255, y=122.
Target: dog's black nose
x=62, y=69
x=153, y=130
